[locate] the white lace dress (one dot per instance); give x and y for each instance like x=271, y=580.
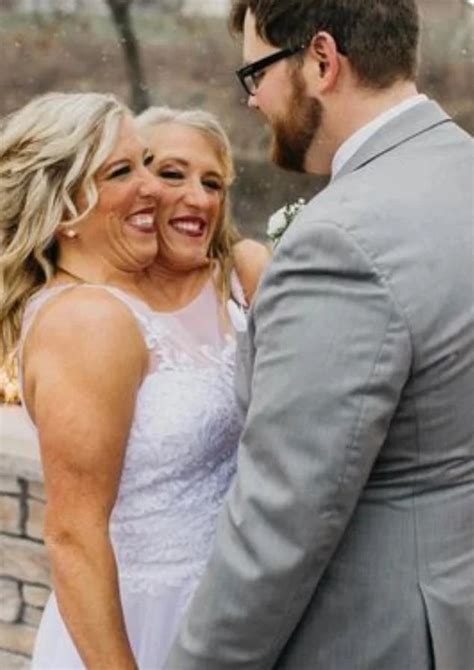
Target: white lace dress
x=179, y=460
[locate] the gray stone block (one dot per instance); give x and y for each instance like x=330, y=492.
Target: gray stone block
x=36, y=596
x=17, y=638
x=24, y=560
x=10, y=661
x=10, y=600
x=9, y=485
x=10, y=514
x=35, y=519
x=32, y=616
x=36, y=490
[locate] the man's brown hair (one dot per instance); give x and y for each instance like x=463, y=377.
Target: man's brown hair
x=379, y=37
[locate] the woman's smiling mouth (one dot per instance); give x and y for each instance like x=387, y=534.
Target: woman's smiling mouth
x=144, y=221
x=191, y=226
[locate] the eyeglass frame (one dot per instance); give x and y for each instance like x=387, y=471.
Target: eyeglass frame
x=258, y=65
x=262, y=63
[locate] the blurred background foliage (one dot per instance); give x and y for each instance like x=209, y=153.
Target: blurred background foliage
x=185, y=57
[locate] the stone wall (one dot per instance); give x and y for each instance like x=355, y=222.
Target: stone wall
x=24, y=571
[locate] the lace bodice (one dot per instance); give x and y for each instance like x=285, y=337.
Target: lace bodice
x=181, y=450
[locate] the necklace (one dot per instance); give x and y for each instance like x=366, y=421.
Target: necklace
x=81, y=280
x=74, y=276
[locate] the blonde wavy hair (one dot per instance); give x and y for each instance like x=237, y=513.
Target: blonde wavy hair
x=226, y=234
x=49, y=149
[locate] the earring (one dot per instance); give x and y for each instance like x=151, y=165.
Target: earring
x=71, y=234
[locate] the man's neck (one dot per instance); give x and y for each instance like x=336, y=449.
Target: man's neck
x=344, y=117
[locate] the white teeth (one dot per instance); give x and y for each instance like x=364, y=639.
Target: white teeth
x=187, y=226
x=143, y=221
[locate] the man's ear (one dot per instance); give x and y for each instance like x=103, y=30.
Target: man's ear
x=325, y=59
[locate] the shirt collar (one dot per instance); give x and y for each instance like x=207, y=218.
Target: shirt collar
x=357, y=139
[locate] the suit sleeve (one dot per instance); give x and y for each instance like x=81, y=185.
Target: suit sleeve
x=332, y=353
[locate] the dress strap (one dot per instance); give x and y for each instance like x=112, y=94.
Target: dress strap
x=153, y=334
x=152, y=328
x=34, y=305
x=237, y=290
x=237, y=306
x=137, y=307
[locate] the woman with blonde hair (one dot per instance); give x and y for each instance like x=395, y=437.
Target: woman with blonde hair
x=186, y=143
x=125, y=374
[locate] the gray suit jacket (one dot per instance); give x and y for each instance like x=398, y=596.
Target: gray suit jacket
x=347, y=540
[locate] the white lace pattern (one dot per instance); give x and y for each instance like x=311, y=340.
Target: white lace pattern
x=181, y=452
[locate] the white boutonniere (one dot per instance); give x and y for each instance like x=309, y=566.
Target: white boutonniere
x=281, y=219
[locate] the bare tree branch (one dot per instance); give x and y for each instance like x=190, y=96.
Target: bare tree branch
x=120, y=11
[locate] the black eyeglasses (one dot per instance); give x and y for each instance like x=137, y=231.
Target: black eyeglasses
x=251, y=75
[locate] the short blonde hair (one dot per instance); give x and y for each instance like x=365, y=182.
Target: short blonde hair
x=49, y=149
x=226, y=234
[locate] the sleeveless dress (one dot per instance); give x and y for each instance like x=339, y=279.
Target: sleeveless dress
x=179, y=460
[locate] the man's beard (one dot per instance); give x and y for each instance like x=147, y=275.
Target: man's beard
x=293, y=134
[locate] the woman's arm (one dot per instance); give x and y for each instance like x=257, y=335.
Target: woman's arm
x=251, y=259
x=84, y=362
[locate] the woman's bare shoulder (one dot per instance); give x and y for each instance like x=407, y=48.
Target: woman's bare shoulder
x=251, y=259
x=87, y=315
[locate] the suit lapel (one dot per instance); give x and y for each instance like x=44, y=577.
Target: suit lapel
x=409, y=124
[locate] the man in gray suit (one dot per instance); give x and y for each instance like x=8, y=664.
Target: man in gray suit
x=346, y=542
